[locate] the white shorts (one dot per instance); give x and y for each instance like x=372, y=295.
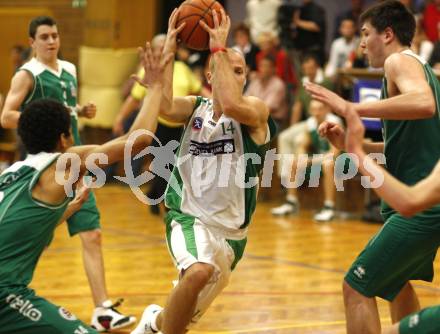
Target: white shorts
x=190, y=241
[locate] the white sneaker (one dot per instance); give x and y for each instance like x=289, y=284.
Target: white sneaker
x=106, y=318
x=144, y=326
x=325, y=214
x=285, y=209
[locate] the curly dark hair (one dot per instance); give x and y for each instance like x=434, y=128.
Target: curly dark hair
x=391, y=14
x=41, y=124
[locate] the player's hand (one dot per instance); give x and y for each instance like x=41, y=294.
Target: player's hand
x=81, y=196
x=219, y=34
x=326, y=96
x=88, y=110
x=153, y=65
x=355, y=131
x=173, y=31
x=334, y=133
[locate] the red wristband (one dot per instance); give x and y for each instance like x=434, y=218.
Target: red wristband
x=220, y=49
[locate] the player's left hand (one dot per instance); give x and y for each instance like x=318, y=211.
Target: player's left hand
x=326, y=96
x=355, y=132
x=219, y=34
x=88, y=110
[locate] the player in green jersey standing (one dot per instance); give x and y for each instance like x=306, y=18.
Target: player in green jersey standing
x=33, y=202
x=404, y=249
x=45, y=76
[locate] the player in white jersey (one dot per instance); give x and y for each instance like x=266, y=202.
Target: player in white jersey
x=211, y=195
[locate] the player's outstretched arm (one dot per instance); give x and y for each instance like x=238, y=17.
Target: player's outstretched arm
x=405, y=74
x=405, y=199
x=146, y=119
x=21, y=85
x=249, y=111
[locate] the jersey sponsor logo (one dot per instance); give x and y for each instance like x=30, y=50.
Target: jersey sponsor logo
x=81, y=330
x=359, y=272
x=66, y=314
x=24, y=307
x=413, y=321
x=197, y=123
x=223, y=146
x=9, y=178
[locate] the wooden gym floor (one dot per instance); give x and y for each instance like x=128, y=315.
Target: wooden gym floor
x=289, y=280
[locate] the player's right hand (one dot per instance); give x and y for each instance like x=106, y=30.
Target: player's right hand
x=334, y=133
x=173, y=31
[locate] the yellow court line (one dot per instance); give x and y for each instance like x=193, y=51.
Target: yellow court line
x=287, y=326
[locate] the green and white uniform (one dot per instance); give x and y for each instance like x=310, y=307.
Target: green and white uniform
x=405, y=248
x=62, y=87
x=26, y=228
x=212, y=195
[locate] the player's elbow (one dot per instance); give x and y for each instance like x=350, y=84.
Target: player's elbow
x=407, y=206
x=427, y=107
x=7, y=122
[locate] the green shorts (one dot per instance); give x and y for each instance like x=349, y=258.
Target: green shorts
x=86, y=219
x=403, y=250
x=22, y=312
x=427, y=321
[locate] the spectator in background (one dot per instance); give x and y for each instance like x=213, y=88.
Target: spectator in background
x=421, y=45
x=342, y=48
x=434, y=60
x=431, y=20
x=309, y=142
x=243, y=43
x=271, y=89
x=357, y=7
x=184, y=83
x=268, y=44
x=310, y=23
x=291, y=139
x=262, y=17
x=312, y=72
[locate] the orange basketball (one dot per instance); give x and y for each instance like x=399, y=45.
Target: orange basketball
x=192, y=12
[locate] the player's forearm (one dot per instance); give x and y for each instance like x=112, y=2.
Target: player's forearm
x=370, y=147
x=231, y=97
x=409, y=106
x=9, y=119
x=397, y=194
x=166, y=102
x=147, y=117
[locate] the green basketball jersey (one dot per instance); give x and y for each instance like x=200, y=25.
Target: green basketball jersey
x=214, y=150
x=26, y=225
x=412, y=147
x=61, y=86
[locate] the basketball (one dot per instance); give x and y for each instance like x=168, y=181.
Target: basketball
x=192, y=11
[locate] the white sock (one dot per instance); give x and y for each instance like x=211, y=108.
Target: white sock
x=153, y=321
x=329, y=204
x=291, y=199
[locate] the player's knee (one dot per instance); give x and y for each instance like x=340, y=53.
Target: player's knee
x=92, y=238
x=348, y=292
x=199, y=275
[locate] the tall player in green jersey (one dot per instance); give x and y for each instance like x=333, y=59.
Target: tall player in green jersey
x=207, y=223
x=45, y=76
x=408, y=201
x=33, y=203
x=404, y=249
